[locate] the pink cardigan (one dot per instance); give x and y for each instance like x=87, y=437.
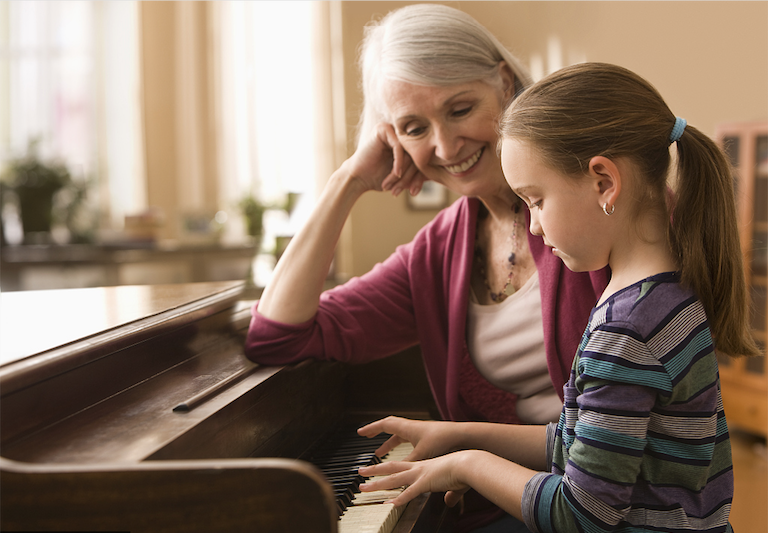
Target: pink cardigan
x=419, y=295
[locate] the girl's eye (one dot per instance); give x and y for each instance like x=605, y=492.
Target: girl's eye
x=537, y=204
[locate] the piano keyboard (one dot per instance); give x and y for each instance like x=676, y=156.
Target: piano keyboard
x=369, y=513
x=359, y=512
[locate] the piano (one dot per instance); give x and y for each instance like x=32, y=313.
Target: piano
x=134, y=409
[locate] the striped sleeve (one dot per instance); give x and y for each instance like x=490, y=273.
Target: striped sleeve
x=641, y=442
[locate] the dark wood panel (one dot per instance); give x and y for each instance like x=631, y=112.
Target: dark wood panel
x=168, y=497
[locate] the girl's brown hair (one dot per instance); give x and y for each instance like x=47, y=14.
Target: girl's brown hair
x=597, y=109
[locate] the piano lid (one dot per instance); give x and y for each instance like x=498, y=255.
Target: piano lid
x=51, y=327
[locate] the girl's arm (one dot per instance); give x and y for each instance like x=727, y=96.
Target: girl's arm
x=497, y=479
x=525, y=445
x=293, y=294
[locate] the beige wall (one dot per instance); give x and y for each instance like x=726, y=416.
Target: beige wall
x=708, y=59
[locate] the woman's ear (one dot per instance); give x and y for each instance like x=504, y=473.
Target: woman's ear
x=606, y=177
x=508, y=82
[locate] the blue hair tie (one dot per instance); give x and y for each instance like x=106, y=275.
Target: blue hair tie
x=677, y=130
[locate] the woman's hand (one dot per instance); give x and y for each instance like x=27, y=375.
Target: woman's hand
x=293, y=294
x=442, y=474
x=382, y=164
x=429, y=438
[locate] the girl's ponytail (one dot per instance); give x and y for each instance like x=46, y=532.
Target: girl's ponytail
x=704, y=236
x=594, y=109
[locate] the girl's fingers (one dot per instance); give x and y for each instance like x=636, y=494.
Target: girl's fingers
x=371, y=430
x=391, y=425
x=415, y=455
x=407, y=495
x=452, y=497
x=390, y=444
x=385, y=469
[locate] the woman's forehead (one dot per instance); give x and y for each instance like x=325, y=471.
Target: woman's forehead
x=403, y=99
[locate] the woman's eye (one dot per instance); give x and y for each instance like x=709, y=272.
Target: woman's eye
x=537, y=204
x=461, y=112
x=414, y=131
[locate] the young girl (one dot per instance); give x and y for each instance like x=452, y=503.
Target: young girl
x=642, y=443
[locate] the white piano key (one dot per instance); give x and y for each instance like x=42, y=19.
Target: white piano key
x=368, y=513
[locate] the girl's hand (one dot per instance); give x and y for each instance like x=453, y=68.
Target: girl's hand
x=382, y=164
x=429, y=438
x=441, y=474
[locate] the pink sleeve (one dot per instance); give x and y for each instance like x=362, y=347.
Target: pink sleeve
x=367, y=318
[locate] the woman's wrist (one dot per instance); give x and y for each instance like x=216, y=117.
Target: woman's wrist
x=346, y=180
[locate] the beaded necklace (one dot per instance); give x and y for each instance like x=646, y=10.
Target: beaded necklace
x=508, y=289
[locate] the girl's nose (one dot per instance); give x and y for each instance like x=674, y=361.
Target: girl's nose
x=535, y=226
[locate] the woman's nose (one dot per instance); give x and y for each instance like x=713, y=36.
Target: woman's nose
x=447, y=143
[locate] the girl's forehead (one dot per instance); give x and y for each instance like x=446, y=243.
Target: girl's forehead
x=523, y=168
x=517, y=148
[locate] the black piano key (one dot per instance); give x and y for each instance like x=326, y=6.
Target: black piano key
x=340, y=456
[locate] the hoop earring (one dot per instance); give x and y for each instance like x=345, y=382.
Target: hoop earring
x=605, y=209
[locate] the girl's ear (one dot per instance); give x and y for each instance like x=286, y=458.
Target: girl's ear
x=606, y=178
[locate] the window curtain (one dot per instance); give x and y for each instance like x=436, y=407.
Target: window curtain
x=278, y=93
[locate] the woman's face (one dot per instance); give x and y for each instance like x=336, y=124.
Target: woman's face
x=450, y=132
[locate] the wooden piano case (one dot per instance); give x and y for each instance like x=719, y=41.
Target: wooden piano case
x=90, y=440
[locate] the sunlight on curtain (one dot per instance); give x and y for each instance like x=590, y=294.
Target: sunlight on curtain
x=47, y=51
x=121, y=151
x=265, y=105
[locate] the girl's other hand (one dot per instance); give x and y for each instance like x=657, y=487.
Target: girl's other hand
x=429, y=438
x=432, y=475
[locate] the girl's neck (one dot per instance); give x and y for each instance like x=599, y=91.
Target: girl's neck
x=634, y=258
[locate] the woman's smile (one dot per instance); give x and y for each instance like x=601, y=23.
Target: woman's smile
x=450, y=132
x=466, y=164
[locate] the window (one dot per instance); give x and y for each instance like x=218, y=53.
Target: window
x=267, y=106
x=48, y=74
x=69, y=78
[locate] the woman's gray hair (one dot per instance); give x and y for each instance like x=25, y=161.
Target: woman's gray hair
x=432, y=45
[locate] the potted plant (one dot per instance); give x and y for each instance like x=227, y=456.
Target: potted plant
x=35, y=183
x=253, y=211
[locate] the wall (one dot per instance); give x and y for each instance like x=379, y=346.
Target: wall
x=708, y=59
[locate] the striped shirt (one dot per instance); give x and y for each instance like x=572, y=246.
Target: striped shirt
x=642, y=442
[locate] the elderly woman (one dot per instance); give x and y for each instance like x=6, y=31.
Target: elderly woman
x=498, y=317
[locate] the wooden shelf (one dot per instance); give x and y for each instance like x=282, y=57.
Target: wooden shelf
x=745, y=381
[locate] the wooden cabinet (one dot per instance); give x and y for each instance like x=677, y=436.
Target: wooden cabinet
x=42, y=267
x=744, y=381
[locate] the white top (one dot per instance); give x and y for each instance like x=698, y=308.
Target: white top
x=506, y=344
